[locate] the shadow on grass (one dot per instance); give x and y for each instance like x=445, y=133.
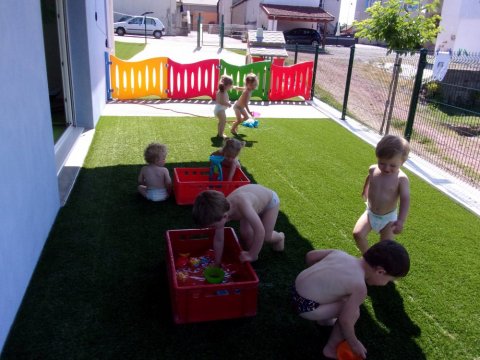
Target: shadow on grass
x=100, y=289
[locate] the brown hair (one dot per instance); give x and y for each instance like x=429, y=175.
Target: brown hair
x=225, y=81
x=232, y=146
x=209, y=207
x=250, y=78
x=391, y=256
x=154, y=152
x=390, y=146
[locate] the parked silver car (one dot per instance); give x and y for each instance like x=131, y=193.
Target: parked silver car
x=136, y=26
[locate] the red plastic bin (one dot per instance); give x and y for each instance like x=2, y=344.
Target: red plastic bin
x=189, y=182
x=210, y=301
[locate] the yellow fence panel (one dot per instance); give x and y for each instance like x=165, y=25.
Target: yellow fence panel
x=133, y=80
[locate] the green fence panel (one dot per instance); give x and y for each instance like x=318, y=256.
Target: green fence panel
x=238, y=74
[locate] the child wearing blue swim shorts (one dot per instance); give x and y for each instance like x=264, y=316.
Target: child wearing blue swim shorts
x=255, y=206
x=230, y=152
x=331, y=290
x=386, y=186
x=154, y=180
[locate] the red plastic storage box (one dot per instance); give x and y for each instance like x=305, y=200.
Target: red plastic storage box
x=209, y=301
x=189, y=182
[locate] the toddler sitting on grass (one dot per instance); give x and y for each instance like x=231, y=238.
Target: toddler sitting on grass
x=154, y=180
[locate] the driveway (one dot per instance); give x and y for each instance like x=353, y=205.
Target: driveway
x=183, y=49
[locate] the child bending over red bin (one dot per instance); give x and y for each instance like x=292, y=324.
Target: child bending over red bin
x=255, y=206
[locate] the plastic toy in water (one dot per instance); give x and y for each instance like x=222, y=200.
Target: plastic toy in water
x=213, y=275
x=182, y=276
x=251, y=123
x=182, y=260
x=194, y=262
x=344, y=352
x=216, y=168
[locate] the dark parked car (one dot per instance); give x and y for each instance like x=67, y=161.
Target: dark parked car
x=303, y=36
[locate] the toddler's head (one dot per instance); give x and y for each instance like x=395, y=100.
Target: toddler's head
x=231, y=148
x=392, y=146
x=209, y=207
x=389, y=256
x=155, y=153
x=225, y=83
x=251, y=81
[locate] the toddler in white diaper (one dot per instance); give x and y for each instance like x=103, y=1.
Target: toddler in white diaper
x=222, y=103
x=154, y=180
x=386, y=187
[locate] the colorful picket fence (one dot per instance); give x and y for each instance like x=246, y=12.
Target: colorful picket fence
x=291, y=81
x=238, y=74
x=133, y=80
x=167, y=79
x=193, y=80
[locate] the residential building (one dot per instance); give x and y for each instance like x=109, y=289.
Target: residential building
x=165, y=10
x=281, y=14
x=77, y=33
x=460, y=23
x=206, y=8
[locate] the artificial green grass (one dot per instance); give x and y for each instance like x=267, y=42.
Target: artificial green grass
x=100, y=288
x=126, y=51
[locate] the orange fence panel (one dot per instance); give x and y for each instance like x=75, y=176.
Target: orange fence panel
x=191, y=80
x=291, y=81
x=133, y=80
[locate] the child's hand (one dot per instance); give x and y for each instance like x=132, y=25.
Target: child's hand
x=397, y=227
x=246, y=257
x=359, y=349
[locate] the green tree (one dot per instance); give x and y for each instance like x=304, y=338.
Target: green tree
x=404, y=25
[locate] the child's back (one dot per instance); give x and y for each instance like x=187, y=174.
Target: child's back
x=334, y=277
x=155, y=176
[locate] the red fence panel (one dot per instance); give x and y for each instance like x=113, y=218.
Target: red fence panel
x=191, y=80
x=290, y=81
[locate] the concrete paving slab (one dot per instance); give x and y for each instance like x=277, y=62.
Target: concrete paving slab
x=204, y=108
x=183, y=49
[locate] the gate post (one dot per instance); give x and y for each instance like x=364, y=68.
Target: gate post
x=222, y=32
x=296, y=53
x=107, y=76
x=347, y=84
x=199, y=30
x=415, y=94
x=314, y=75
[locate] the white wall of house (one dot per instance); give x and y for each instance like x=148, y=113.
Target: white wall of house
x=360, y=8
x=28, y=183
x=291, y=3
x=224, y=8
x=460, y=22
x=165, y=10
x=29, y=192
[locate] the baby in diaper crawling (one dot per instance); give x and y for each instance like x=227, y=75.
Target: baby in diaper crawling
x=386, y=186
x=154, y=180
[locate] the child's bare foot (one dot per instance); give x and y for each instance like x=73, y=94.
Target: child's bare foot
x=279, y=245
x=234, y=132
x=223, y=136
x=329, y=352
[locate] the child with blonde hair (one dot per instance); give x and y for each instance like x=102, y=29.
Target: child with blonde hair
x=154, y=180
x=230, y=152
x=222, y=103
x=386, y=186
x=255, y=206
x=240, y=107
